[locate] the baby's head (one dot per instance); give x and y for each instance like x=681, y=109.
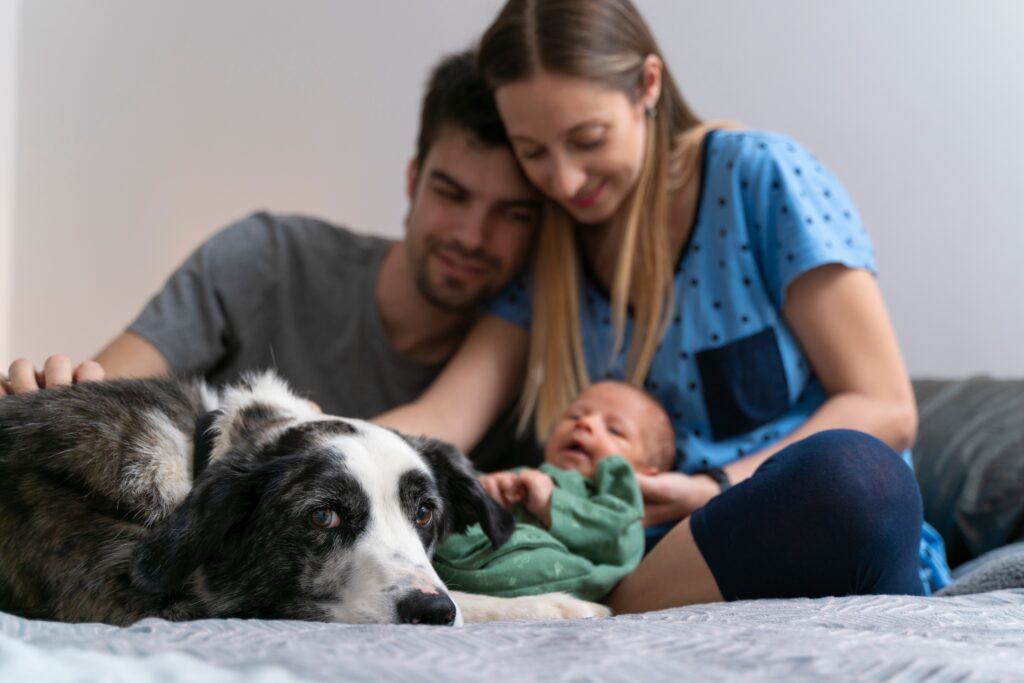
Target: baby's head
x=612, y=418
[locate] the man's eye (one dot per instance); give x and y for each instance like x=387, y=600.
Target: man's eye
x=519, y=216
x=424, y=515
x=447, y=194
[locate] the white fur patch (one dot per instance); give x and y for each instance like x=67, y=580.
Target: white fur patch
x=267, y=389
x=389, y=559
x=164, y=477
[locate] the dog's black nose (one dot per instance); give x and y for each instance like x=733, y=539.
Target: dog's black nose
x=426, y=608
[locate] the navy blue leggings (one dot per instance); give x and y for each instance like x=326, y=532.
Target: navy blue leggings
x=838, y=513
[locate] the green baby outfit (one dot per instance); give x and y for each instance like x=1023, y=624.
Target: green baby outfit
x=596, y=538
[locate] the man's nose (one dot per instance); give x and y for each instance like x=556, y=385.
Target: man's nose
x=472, y=230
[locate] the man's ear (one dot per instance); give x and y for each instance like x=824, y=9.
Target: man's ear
x=412, y=176
x=192, y=534
x=465, y=500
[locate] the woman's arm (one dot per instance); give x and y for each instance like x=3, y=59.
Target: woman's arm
x=478, y=383
x=841, y=322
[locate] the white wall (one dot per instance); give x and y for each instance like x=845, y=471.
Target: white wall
x=9, y=10
x=145, y=125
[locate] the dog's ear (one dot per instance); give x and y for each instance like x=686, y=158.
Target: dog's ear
x=175, y=546
x=466, y=502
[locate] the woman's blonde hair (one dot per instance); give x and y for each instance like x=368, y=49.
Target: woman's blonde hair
x=606, y=41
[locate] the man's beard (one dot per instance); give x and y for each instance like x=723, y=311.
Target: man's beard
x=457, y=297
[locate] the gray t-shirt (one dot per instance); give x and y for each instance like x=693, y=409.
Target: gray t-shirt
x=296, y=294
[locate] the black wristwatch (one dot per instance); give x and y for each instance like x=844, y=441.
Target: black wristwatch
x=719, y=475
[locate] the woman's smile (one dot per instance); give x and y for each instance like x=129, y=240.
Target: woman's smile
x=587, y=198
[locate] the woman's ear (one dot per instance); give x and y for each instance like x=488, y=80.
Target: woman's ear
x=651, y=89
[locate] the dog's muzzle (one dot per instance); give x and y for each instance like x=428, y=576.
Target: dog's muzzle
x=417, y=607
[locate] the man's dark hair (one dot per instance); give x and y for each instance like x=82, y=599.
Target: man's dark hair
x=456, y=95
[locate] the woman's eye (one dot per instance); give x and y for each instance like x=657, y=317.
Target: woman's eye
x=589, y=144
x=530, y=154
x=423, y=516
x=324, y=518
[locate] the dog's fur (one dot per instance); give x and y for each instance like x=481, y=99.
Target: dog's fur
x=100, y=519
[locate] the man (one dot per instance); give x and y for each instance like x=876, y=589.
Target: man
x=358, y=323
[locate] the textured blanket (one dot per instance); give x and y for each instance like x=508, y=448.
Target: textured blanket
x=875, y=638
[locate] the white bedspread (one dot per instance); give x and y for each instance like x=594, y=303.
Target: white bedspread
x=876, y=638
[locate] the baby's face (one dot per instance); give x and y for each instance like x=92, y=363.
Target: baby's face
x=605, y=419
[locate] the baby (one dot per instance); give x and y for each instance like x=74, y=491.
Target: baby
x=608, y=418
x=579, y=515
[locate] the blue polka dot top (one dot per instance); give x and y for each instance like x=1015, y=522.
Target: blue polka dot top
x=729, y=370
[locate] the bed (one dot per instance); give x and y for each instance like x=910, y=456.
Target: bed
x=970, y=463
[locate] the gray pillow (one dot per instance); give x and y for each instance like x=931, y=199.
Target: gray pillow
x=969, y=459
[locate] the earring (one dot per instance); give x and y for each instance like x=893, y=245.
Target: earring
x=652, y=111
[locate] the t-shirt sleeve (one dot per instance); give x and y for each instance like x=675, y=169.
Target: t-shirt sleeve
x=514, y=303
x=799, y=216
x=196, y=319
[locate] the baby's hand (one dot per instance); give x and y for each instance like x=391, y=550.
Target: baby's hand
x=503, y=487
x=537, y=488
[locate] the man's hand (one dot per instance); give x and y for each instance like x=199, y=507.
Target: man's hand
x=669, y=496
x=23, y=377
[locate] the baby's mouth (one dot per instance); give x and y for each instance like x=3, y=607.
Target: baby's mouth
x=576, y=451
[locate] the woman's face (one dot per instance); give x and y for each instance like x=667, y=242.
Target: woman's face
x=580, y=143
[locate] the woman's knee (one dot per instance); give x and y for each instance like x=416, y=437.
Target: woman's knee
x=859, y=478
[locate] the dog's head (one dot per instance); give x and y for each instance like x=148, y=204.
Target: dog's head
x=304, y=516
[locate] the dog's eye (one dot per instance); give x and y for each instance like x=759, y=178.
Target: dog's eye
x=423, y=516
x=325, y=518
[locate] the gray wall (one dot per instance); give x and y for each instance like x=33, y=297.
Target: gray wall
x=8, y=68
x=143, y=126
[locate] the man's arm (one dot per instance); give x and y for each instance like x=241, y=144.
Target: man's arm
x=131, y=355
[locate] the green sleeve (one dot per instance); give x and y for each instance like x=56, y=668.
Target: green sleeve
x=599, y=520
x=536, y=560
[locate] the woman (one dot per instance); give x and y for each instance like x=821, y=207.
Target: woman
x=727, y=272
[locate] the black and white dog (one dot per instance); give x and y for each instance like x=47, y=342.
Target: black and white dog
x=137, y=498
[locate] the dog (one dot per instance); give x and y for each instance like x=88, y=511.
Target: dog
x=128, y=499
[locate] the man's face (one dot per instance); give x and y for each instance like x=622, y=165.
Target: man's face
x=471, y=220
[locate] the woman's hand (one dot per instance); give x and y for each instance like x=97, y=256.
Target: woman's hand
x=670, y=496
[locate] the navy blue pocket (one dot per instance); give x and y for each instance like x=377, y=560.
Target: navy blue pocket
x=744, y=384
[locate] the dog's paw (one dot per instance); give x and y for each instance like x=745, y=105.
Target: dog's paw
x=479, y=608
x=565, y=606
